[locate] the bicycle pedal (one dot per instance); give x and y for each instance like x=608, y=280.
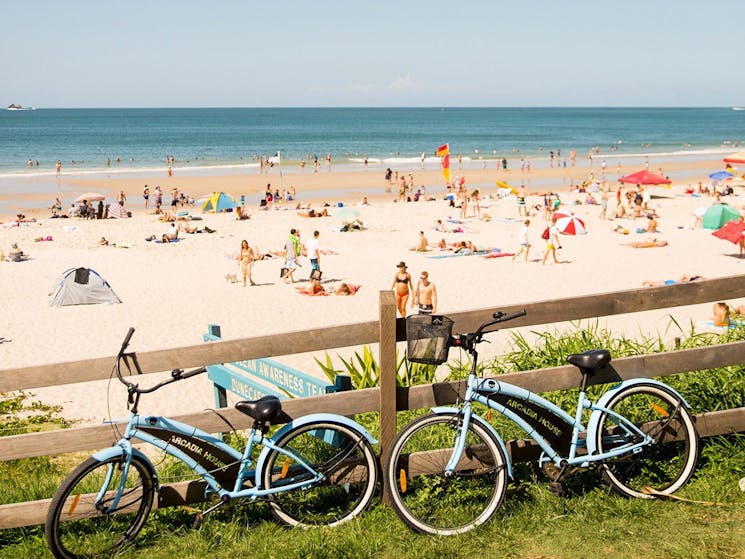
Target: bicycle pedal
x=555, y=488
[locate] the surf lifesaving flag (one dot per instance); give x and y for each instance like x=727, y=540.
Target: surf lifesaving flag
x=444, y=152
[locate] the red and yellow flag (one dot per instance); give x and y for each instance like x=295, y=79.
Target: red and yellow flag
x=444, y=152
x=446, y=168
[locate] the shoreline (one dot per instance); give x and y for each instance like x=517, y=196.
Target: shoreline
x=33, y=195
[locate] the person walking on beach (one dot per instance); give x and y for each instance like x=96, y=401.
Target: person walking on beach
x=292, y=251
x=552, y=243
x=522, y=207
x=246, y=258
x=146, y=196
x=58, y=168
x=402, y=287
x=313, y=252
x=524, y=244
x=425, y=295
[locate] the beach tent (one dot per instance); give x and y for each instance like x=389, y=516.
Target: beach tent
x=644, y=177
x=218, y=202
x=738, y=157
x=717, y=215
x=82, y=286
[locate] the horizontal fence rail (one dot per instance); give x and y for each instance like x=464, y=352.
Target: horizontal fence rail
x=544, y=312
x=387, y=399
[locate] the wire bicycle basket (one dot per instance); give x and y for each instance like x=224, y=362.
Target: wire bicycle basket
x=428, y=338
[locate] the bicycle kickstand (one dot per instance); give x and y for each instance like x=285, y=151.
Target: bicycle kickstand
x=199, y=518
x=555, y=486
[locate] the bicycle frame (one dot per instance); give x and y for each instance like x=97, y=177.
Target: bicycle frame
x=542, y=420
x=223, y=468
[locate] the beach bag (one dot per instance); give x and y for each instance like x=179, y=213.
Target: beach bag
x=316, y=274
x=545, y=235
x=282, y=273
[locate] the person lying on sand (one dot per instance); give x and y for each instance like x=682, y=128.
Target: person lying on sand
x=314, y=213
x=315, y=288
x=347, y=289
x=647, y=244
x=681, y=279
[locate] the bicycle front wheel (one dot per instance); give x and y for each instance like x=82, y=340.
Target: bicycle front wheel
x=343, y=457
x=80, y=521
x=664, y=465
x=426, y=499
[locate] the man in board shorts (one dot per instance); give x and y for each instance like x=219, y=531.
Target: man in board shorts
x=425, y=295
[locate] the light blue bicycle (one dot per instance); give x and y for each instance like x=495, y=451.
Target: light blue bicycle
x=317, y=470
x=447, y=471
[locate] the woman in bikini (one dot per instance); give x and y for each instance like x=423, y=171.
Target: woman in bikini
x=402, y=286
x=247, y=259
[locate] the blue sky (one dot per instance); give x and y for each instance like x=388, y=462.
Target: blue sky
x=406, y=53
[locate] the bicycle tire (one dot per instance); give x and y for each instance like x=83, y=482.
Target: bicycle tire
x=350, y=469
x=76, y=528
x=665, y=465
x=423, y=497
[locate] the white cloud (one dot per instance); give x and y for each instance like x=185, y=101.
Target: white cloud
x=404, y=82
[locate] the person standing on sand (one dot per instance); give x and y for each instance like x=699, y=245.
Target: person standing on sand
x=524, y=244
x=58, y=168
x=313, y=252
x=402, y=287
x=292, y=251
x=425, y=295
x=553, y=241
x=522, y=206
x=146, y=196
x=246, y=258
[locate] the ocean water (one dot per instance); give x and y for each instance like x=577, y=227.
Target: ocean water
x=231, y=139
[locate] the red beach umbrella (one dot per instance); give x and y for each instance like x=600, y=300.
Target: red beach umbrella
x=731, y=231
x=571, y=225
x=738, y=157
x=644, y=177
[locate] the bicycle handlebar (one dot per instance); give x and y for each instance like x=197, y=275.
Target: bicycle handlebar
x=176, y=374
x=470, y=340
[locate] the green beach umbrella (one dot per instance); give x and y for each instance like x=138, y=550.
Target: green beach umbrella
x=719, y=214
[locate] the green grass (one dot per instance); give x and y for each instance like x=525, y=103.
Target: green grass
x=589, y=522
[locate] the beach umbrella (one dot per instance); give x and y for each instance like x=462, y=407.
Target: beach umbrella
x=218, y=202
x=717, y=215
x=90, y=197
x=346, y=212
x=571, y=225
x=644, y=177
x=738, y=157
x=558, y=214
x=721, y=175
x=731, y=231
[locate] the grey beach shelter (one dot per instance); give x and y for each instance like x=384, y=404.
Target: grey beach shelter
x=82, y=286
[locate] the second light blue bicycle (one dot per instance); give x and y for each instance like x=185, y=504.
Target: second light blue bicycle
x=447, y=471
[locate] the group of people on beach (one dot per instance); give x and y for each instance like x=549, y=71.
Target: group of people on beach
x=424, y=296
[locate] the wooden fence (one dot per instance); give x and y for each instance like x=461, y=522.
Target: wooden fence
x=388, y=399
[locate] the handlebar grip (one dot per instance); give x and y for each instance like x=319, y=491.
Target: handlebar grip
x=128, y=337
x=507, y=317
x=193, y=373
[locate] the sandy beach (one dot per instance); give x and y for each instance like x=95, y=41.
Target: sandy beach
x=171, y=292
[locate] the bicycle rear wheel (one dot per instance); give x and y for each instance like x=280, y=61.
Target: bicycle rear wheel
x=350, y=475
x=668, y=462
x=79, y=521
x=427, y=500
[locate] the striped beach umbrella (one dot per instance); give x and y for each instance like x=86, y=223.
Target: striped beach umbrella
x=571, y=225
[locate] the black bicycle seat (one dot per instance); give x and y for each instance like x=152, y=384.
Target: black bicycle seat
x=263, y=409
x=592, y=359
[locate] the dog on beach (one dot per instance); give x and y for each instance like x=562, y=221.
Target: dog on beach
x=231, y=278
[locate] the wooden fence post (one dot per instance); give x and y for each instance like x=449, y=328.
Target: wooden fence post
x=387, y=361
